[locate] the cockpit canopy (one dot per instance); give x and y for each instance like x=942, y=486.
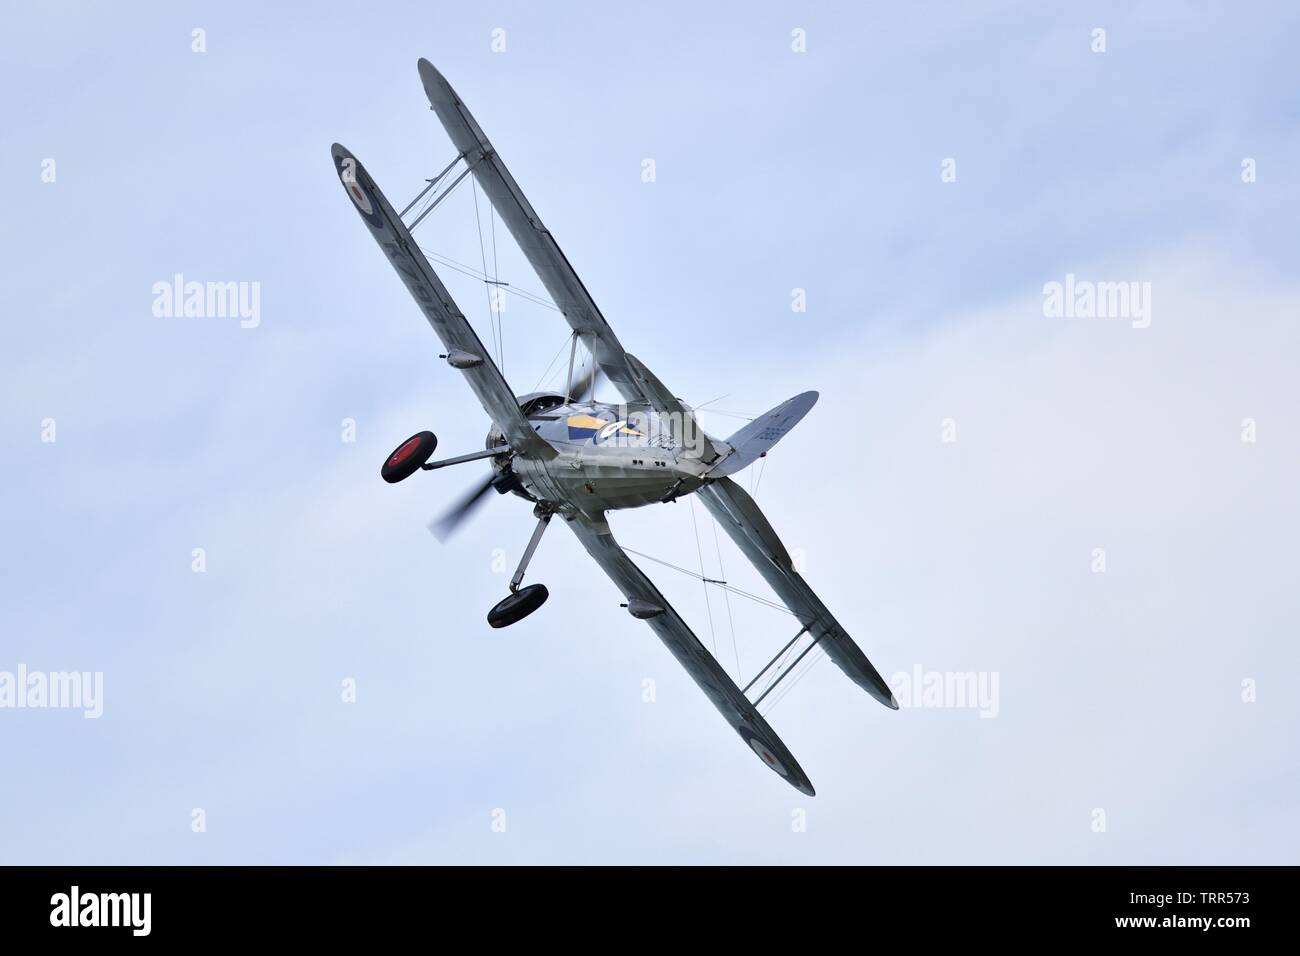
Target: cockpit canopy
x=536, y=403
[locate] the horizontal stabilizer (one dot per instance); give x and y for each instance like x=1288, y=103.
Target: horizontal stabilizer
x=754, y=440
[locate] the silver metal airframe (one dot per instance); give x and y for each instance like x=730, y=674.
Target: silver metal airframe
x=579, y=459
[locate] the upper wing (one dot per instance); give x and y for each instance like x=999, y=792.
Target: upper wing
x=690, y=653
x=539, y=247
x=435, y=301
x=736, y=512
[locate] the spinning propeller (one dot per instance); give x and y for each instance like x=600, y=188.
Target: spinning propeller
x=445, y=526
x=449, y=522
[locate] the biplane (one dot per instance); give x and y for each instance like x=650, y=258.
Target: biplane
x=578, y=459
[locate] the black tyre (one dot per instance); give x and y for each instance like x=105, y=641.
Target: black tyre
x=518, y=606
x=408, y=457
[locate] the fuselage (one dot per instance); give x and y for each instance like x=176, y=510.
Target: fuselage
x=608, y=456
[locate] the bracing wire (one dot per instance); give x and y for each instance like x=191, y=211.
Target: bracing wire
x=558, y=353
x=492, y=222
x=817, y=657
x=774, y=674
x=722, y=584
x=729, y=414
x=707, y=604
x=433, y=198
x=468, y=270
x=487, y=286
x=473, y=273
x=735, y=647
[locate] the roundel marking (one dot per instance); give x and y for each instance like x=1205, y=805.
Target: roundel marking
x=767, y=756
x=360, y=198
x=349, y=174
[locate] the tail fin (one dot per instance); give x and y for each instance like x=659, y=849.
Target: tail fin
x=755, y=439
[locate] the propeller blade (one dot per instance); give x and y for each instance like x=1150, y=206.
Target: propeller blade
x=585, y=388
x=451, y=520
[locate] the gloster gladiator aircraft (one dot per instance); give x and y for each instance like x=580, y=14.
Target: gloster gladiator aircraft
x=578, y=459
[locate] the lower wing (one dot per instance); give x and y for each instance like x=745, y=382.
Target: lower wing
x=690, y=653
x=741, y=518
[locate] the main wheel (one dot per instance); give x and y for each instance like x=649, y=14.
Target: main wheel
x=517, y=606
x=409, y=456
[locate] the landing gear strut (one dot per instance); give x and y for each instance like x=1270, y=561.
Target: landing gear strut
x=521, y=602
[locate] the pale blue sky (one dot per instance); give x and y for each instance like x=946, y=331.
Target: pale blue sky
x=775, y=170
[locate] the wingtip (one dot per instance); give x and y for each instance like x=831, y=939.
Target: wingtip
x=883, y=693
x=799, y=780
x=429, y=73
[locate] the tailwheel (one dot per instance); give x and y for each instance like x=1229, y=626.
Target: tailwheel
x=408, y=457
x=518, y=605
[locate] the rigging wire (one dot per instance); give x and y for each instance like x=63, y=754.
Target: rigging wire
x=580, y=372
x=424, y=202
x=735, y=648
x=719, y=411
x=493, y=320
x=558, y=353
x=774, y=675
x=591, y=371
x=492, y=222
x=722, y=584
x=473, y=273
x=707, y=603
x=436, y=198
x=466, y=269
x=818, y=656
x=489, y=279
